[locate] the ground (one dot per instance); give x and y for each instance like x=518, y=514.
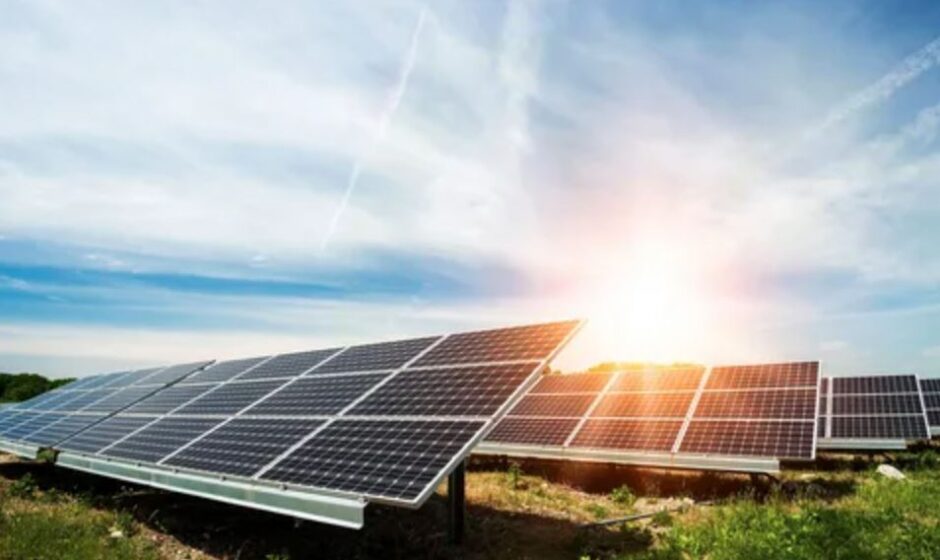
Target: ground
x=841, y=508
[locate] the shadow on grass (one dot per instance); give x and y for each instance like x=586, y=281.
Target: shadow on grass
x=228, y=531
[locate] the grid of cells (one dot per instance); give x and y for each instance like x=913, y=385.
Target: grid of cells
x=862, y=427
x=515, y=343
x=533, y=431
x=682, y=379
x=762, y=376
x=161, y=438
x=137, y=377
x=11, y=419
x=381, y=458
x=169, y=398
x=230, y=398
x=931, y=391
x=572, y=383
x=316, y=395
x=553, y=405
x=784, y=404
x=637, y=405
x=288, y=365
x=375, y=357
x=223, y=371
x=37, y=422
x=64, y=428
x=173, y=374
x=933, y=417
x=103, y=434
x=101, y=381
x=243, y=446
x=15, y=421
x=119, y=399
x=864, y=405
x=874, y=384
x=461, y=391
x=87, y=398
x=784, y=440
x=117, y=380
x=639, y=435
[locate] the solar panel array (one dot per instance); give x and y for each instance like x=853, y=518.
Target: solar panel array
x=382, y=421
x=930, y=389
x=865, y=409
x=766, y=410
x=65, y=411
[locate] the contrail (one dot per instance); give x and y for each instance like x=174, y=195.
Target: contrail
x=393, y=102
x=905, y=72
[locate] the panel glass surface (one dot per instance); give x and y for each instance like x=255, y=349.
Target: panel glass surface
x=375, y=357
x=682, y=379
x=662, y=405
x=161, y=438
x=288, y=365
x=640, y=435
x=756, y=376
x=317, y=395
x=173, y=373
x=169, y=398
x=571, y=383
x=535, y=342
x=553, y=405
x=533, y=431
x=864, y=427
x=223, y=371
x=230, y=398
x=105, y=433
x=790, y=404
x=64, y=428
x=785, y=440
x=120, y=399
x=879, y=384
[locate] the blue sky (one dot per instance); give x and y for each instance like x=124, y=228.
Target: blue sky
x=718, y=181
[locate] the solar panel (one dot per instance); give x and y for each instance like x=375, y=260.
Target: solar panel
x=316, y=396
x=223, y=371
x=63, y=428
x=374, y=357
x=392, y=459
x=873, y=412
x=172, y=374
x=36, y=422
x=288, y=365
x=362, y=423
x=243, y=446
x=99, y=436
x=156, y=441
x=732, y=417
x=930, y=389
x=119, y=399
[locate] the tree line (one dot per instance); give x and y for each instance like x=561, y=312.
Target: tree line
x=16, y=387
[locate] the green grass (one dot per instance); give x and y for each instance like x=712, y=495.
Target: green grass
x=883, y=519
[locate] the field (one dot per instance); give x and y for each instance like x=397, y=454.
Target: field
x=843, y=509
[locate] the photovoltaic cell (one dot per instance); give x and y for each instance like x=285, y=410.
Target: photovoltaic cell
x=316, y=395
x=377, y=458
x=223, y=371
x=174, y=373
x=764, y=376
x=288, y=365
x=930, y=388
x=64, y=428
x=874, y=384
x=169, y=398
x=791, y=404
x=662, y=405
x=230, y=398
x=161, y=438
x=861, y=427
x=120, y=399
x=572, y=383
x=460, y=391
x=552, y=405
x=876, y=404
x=785, y=440
x=533, y=431
x=86, y=399
x=101, y=435
x=875, y=408
x=375, y=357
x=682, y=379
x=640, y=435
x=244, y=445
x=37, y=422
x=534, y=342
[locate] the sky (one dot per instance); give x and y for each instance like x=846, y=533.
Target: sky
x=719, y=182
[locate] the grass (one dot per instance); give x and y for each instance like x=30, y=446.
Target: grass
x=845, y=512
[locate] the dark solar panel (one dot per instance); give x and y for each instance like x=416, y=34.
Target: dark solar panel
x=789, y=404
x=13, y=419
x=381, y=458
x=876, y=404
x=288, y=365
x=931, y=385
x=862, y=427
x=174, y=373
x=874, y=384
x=101, y=435
x=374, y=357
x=317, y=395
x=661, y=405
x=764, y=376
x=223, y=371
x=553, y=405
x=640, y=435
x=135, y=377
x=461, y=391
x=243, y=445
x=533, y=431
x=230, y=398
x=931, y=392
x=120, y=399
x=932, y=400
x=37, y=422
x=684, y=379
x=572, y=383
x=534, y=342
x=785, y=440
x=101, y=381
x=51, y=400
x=169, y=398
x=118, y=380
x=87, y=398
x=160, y=438
x=64, y=428
x=933, y=416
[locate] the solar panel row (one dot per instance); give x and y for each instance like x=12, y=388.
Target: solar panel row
x=930, y=388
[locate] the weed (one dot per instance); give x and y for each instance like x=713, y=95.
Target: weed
x=514, y=475
x=662, y=519
x=124, y=522
x=23, y=487
x=623, y=496
x=597, y=510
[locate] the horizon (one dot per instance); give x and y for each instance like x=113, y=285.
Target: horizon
x=703, y=184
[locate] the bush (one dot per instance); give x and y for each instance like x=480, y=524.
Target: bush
x=623, y=496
